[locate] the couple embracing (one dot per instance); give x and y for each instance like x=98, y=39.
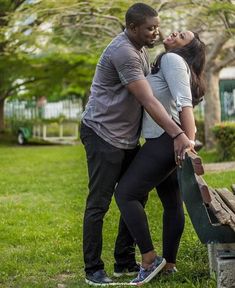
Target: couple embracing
x=128, y=98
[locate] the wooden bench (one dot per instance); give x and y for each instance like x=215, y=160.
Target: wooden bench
x=212, y=213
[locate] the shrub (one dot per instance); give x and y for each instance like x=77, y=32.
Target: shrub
x=225, y=137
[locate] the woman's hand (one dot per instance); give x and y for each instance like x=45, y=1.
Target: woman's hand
x=181, y=145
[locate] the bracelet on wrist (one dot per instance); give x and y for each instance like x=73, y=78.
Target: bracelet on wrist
x=181, y=132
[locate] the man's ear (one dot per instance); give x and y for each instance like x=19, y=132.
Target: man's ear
x=132, y=27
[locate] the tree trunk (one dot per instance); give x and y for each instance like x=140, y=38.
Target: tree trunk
x=212, y=106
x=2, y=126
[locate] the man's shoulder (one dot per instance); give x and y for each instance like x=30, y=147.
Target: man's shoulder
x=121, y=44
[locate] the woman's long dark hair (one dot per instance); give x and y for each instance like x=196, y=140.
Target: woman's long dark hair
x=195, y=56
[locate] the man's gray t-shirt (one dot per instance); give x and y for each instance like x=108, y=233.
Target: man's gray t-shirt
x=112, y=112
x=171, y=86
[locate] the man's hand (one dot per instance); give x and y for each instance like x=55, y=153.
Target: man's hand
x=181, y=145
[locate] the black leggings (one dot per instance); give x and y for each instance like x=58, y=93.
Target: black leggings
x=153, y=166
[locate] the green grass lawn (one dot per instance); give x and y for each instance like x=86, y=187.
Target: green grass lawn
x=42, y=198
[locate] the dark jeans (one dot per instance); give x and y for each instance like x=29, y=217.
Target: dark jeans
x=106, y=164
x=153, y=166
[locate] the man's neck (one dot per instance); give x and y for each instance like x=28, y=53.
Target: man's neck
x=132, y=40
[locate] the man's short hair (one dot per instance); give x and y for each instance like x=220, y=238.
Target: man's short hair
x=138, y=13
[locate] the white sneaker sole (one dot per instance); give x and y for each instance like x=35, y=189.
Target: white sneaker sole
x=96, y=284
x=109, y=284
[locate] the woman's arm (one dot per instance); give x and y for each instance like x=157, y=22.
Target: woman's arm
x=177, y=76
x=187, y=122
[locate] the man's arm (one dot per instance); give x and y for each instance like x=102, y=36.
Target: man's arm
x=143, y=93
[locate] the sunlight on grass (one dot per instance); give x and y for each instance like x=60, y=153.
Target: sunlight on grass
x=209, y=156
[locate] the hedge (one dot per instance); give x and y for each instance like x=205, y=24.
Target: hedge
x=225, y=137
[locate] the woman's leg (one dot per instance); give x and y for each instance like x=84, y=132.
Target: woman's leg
x=173, y=217
x=154, y=162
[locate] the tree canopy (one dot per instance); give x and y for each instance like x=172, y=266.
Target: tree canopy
x=50, y=48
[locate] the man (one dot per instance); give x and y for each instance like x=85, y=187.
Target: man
x=110, y=132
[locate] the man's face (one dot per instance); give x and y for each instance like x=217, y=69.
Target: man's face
x=146, y=34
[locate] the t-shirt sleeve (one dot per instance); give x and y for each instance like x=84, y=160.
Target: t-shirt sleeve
x=128, y=64
x=177, y=75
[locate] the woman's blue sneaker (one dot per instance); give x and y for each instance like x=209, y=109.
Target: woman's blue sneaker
x=145, y=275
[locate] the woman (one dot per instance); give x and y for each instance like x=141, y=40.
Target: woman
x=177, y=81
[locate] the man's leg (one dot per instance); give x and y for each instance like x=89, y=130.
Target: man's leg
x=104, y=167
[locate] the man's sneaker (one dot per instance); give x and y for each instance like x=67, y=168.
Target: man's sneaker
x=120, y=271
x=98, y=278
x=145, y=275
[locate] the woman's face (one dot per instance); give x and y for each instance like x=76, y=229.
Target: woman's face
x=178, y=39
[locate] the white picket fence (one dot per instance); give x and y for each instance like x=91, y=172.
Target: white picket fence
x=30, y=110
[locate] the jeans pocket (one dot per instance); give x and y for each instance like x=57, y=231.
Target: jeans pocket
x=85, y=132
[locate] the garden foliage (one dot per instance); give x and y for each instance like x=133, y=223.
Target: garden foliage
x=225, y=136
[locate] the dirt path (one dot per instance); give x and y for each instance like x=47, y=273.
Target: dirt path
x=224, y=166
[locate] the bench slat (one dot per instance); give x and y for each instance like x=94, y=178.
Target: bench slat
x=228, y=197
x=203, y=189
x=197, y=163
x=221, y=210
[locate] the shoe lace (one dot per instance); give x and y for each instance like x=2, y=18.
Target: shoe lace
x=142, y=273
